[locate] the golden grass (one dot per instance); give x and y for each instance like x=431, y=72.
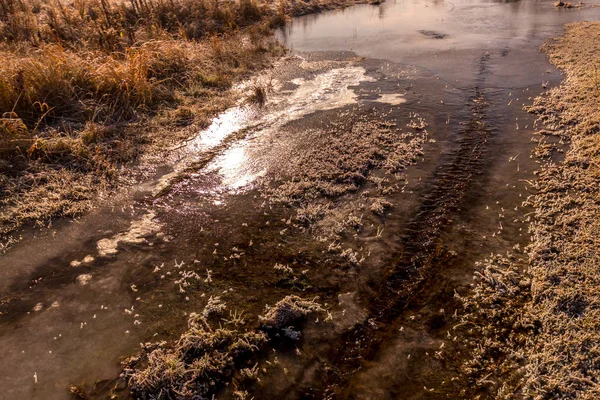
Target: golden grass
x=215, y=352
x=107, y=61
x=495, y=327
x=563, y=359
x=76, y=78
x=116, y=25
x=86, y=86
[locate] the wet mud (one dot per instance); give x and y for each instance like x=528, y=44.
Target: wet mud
x=375, y=177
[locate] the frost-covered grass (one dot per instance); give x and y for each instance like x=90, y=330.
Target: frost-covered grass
x=86, y=87
x=214, y=352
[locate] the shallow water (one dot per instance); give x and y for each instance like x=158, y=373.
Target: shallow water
x=401, y=31
x=77, y=298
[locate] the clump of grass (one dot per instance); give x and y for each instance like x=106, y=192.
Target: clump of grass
x=289, y=311
x=290, y=278
x=259, y=95
x=37, y=195
x=284, y=318
x=353, y=222
x=212, y=353
x=379, y=206
x=198, y=365
x=308, y=214
x=351, y=257
x=215, y=306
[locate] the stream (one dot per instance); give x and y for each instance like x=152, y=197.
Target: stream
x=448, y=79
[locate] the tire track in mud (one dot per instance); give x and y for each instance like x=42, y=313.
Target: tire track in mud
x=423, y=250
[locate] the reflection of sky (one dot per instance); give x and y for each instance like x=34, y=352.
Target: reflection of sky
x=235, y=168
x=225, y=124
x=324, y=91
x=392, y=29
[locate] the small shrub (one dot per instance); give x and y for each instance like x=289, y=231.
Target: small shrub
x=259, y=95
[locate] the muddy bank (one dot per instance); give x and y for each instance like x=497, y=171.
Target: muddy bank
x=315, y=196
x=323, y=204
x=249, y=215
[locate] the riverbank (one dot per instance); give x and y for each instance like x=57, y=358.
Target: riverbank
x=544, y=326
x=360, y=199
x=91, y=90
x=564, y=255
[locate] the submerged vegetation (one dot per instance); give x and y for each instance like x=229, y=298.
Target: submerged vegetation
x=343, y=159
x=329, y=186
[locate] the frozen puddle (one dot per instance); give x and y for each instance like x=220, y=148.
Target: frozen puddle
x=392, y=99
x=138, y=233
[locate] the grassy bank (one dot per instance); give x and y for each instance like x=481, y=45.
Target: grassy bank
x=564, y=359
x=87, y=87
x=547, y=334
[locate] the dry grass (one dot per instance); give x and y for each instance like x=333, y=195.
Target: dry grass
x=289, y=311
x=338, y=164
x=84, y=85
x=105, y=61
x=496, y=328
x=340, y=160
x=198, y=365
x=564, y=357
x=379, y=206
